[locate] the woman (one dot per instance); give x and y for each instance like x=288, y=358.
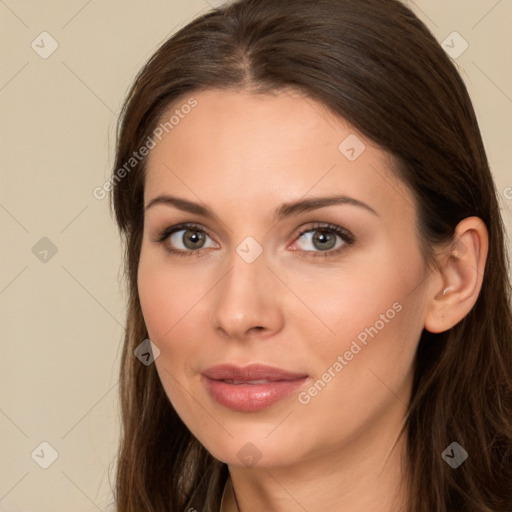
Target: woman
x=314, y=248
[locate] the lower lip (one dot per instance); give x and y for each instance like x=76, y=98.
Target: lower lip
x=251, y=397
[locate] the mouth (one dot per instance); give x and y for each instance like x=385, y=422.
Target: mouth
x=250, y=382
x=250, y=388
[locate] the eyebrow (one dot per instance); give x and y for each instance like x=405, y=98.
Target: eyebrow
x=283, y=211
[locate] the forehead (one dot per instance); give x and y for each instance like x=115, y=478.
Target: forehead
x=251, y=151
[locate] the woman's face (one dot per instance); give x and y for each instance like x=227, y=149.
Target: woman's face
x=333, y=292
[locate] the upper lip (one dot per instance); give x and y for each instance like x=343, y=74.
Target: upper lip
x=250, y=372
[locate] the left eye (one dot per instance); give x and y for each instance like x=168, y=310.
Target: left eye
x=321, y=239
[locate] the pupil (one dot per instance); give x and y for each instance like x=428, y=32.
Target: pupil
x=322, y=237
x=194, y=239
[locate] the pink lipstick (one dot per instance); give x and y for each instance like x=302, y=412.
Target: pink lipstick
x=250, y=388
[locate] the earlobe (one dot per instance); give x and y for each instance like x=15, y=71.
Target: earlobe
x=460, y=276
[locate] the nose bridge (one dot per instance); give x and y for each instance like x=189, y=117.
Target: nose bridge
x=244, y=300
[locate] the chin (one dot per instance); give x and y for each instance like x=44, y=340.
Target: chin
x=254, y=451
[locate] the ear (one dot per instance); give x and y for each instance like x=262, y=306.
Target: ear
x=459, y=279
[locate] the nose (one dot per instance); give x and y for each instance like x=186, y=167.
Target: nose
x=247, y=302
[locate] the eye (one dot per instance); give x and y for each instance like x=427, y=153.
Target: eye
x=318, y=240
x=185, y=238
x=323, y=239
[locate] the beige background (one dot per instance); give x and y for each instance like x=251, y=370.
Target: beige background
x=62, y=319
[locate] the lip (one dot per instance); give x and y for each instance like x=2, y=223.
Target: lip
x=252, y=388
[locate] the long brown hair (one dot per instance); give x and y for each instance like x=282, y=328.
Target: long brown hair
x=375, y=64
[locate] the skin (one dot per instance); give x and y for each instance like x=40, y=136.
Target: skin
x=242, y=156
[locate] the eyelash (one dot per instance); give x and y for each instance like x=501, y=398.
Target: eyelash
x=344, y=234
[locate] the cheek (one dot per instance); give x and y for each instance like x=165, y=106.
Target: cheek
x=175, y=312
x=358, y=381
x=338, y=306
x=166, y=295
x=363, y=336
x=167, y=299
x=365, y=365
x=361, y=373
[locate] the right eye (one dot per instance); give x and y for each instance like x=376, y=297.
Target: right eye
x=185, y=239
